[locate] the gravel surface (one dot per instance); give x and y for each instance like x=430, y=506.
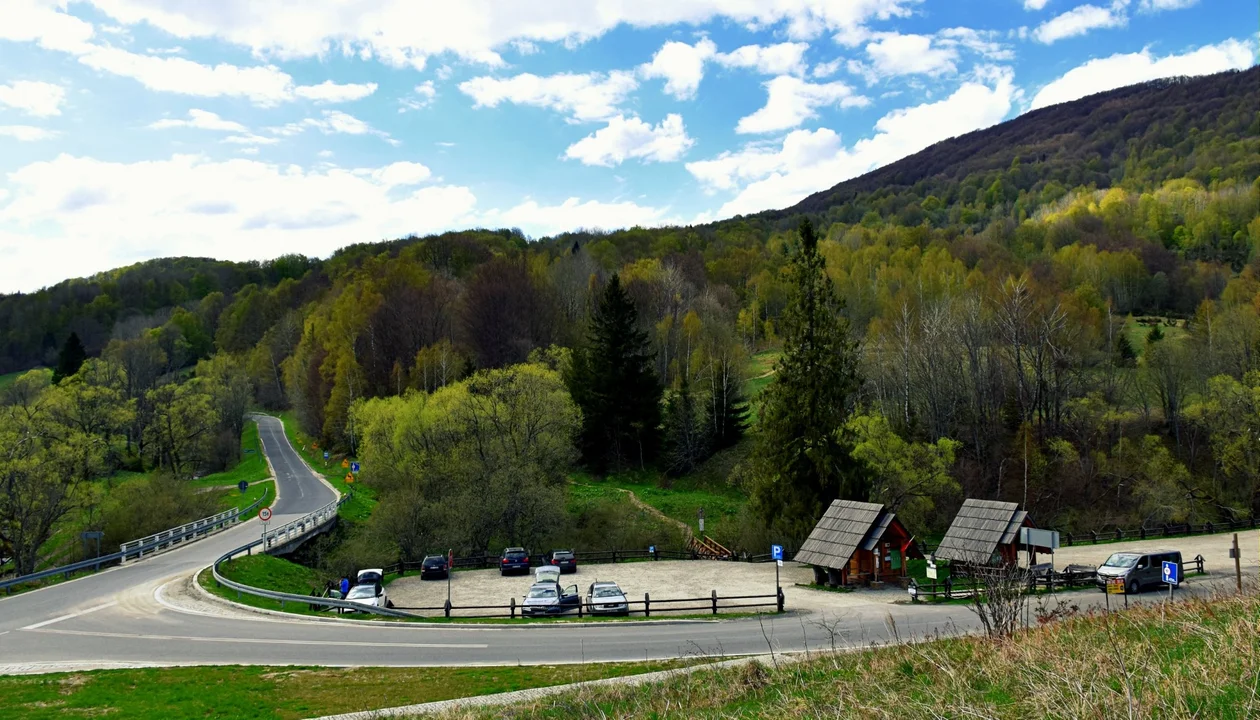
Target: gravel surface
x=662, y=579
x=1213, y=548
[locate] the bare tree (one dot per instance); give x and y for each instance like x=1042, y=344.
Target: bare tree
x=999, y=598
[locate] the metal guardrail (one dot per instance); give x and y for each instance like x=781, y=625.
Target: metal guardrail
x=171, y=537
x=177, y=534
x=303, y=525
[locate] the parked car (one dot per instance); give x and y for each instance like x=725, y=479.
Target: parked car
x=547, y=573
x=606, y=598
x=513, y=559
x=548, y=598
x=565, y=560
x=434, y=566
x=1138, y=569
x=370, y=595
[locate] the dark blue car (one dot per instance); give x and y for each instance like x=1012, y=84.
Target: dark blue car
x=514, y=559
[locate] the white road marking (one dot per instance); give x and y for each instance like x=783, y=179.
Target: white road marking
x=272, y=641
x=6, y=632
x=38, y=625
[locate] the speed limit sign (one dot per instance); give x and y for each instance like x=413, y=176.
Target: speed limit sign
x=264, y=514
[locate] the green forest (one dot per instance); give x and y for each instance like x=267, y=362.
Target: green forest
x=1061, y=311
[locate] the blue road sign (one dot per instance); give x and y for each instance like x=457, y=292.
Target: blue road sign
x=1172, y=573
x=652, y=549
x=243, y=485
x=325, y=454
x=354, y=467
x=776, y=552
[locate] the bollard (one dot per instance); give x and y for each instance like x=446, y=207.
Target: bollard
x=513, y=606
x=715, y=602
x=448, y=608
x=647, y=605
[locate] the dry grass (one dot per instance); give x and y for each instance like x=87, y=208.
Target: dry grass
x=1198, y=659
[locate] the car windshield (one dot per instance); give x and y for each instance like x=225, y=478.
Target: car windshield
x=608, y=591
x=1122, y=560
x=542, y=593
x=361, y=592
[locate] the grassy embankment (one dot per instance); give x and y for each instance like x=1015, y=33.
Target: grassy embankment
x=1197, y=659
x=276, y=692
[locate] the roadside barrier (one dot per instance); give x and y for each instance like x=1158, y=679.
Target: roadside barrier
x=965, y=587
x=138, y=548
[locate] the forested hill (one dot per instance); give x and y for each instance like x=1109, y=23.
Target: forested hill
x=1205, y=128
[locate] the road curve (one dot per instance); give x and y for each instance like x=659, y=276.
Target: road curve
x=114, y=618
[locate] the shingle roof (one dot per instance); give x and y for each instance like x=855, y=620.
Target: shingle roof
x=846, y=526
x=979, y=528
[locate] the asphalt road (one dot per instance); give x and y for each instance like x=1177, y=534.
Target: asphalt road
x=114, y=618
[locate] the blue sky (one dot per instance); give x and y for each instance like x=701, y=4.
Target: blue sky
x=132, y=129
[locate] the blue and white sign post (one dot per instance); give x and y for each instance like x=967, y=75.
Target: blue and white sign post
x=1172, y=576
x=776, y=554
x=325, y=457
x=354, y=468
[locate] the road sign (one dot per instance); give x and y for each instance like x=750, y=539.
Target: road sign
x=1115, y=586
x=325, y=454
x=243, y=485
x=354, y=467
x=776, y=553
x=345, y=463
x=1172, y=573
x=264, y=514
x=350, y=478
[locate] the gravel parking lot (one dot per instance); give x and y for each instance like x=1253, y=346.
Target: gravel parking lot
x=663, y=579
x=1213, y=548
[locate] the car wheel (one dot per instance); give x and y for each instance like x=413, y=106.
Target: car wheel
x=1134, y=587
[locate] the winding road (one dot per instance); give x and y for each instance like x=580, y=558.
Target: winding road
x=125, y=617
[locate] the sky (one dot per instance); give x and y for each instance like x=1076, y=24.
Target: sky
x=243, y=130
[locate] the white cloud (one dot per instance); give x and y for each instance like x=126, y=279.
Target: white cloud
x=250, y=139
x=425, y=93
x=331, y=92
x=201, y=120
x=1078, y=21
x=782, y=59
x=625, y=138
x=1126, y=69
x=981, y=42
x=400, y=174
x=27, y=133
x=766, y=176
x=827, y=69
x=897, y=54
x=404, y=34
x=593, y=96
x=264, y=85
x=791, y=101
x=333, y=122
x=1035, y=4
x=40, y=99
x=573, y=214
x=39, y=22
x=681, y=65
x=1158, y=5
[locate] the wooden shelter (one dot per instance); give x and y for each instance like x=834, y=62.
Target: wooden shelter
x=985, y=532
x=858, y=542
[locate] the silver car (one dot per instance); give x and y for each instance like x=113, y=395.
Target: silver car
x=606, y=598
x=371, y=595
x=548, y=598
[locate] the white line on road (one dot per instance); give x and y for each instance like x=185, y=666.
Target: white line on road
x=38, y=625
x=272, y=641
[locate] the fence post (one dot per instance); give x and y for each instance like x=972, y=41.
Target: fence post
x=948, y=588
x=447, y=608
x=779, y=592
x=715, y=602
x=579, y=606
x=647, y=605
x=1142, y=532
x=1119, y=534
x=1093, y=536
x=513, y=608
x=656, y=554
x=614, y=557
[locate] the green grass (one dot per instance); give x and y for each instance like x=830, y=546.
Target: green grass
x=251, y=468
x=681, y=501
x=760, y=372
x=1137, y=332
x=357, y=509
x=1195, y=659
x=276, y=692
x=234, y=498
x=9, y=378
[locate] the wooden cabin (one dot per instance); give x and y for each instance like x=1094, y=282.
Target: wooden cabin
x=985, y=532
x=858, y=543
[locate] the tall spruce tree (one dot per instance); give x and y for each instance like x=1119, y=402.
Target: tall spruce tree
x=802, y=455
x=70, y=359
x=686, y=437
x=611, y=379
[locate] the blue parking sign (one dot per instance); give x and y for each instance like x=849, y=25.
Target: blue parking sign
x=776, y=552
x=1172, y=573
x=354, y=467
x=325, y=454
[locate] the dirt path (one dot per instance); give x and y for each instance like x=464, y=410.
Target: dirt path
x=634, y=500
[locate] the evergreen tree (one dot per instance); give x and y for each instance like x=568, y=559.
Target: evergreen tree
x=70, y=359
x=686, y=440
x=802, y=457
x=729, y=415
x=612, y=381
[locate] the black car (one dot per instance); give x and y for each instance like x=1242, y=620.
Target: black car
x=434, y=566
x=565, y=560
x=514, y=559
